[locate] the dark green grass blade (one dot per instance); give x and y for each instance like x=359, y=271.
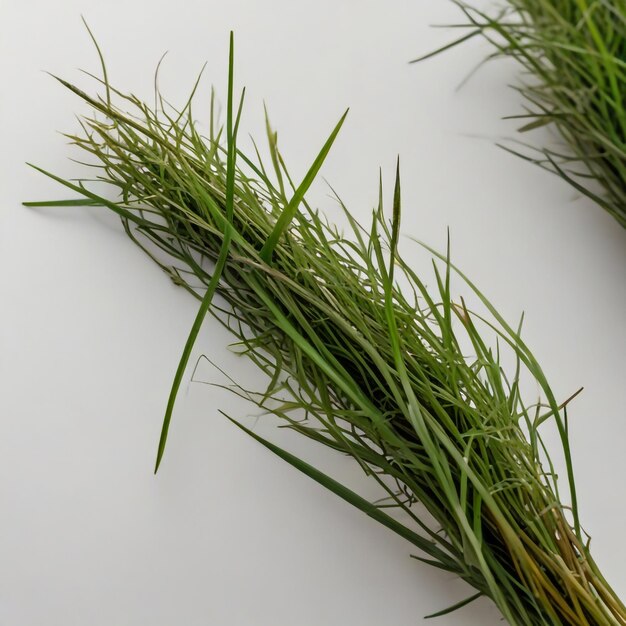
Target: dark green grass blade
x=289, y=212
x=455, y=607
x=348, y=495
x=219, y=267
x=62, y=203
x=191, y=340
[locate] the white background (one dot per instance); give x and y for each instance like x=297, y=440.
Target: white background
x=91, y=331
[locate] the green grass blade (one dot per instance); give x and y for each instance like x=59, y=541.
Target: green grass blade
x=344, y=493
x=290, y=210
x=219, y=267
x=455, y=607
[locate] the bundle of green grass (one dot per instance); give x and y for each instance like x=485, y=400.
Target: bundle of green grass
x=354, y=362
x=573, y=53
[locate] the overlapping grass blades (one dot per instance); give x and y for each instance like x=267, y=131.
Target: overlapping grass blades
x=354, y=362
x=573, y=53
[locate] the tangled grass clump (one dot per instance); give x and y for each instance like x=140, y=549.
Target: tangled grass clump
x=353, y=361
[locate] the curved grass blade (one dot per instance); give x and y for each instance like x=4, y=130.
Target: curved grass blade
x=221, y=262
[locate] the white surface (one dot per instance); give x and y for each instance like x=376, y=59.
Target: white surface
x=91, y=331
